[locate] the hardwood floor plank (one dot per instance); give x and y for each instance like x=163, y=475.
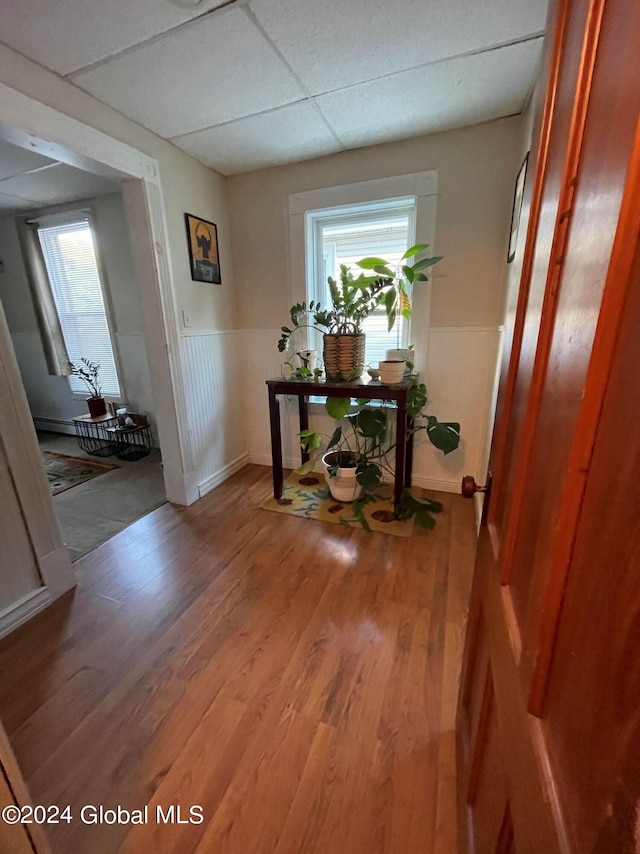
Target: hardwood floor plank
x=296, y=680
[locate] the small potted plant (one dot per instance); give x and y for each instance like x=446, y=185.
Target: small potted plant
x=353, y=299
x=88, y=373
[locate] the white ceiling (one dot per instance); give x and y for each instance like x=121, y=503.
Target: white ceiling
x=29, y=181
x=262, y=82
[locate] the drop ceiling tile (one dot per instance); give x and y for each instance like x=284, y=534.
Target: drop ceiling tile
x=66, y=35
x=453, y=93
x=294, y=132
x=333, y=44
x=211, y=71
x=57, y=184
x=15, y=160
x=12, y=204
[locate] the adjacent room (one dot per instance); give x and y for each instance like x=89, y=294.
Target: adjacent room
x=281, y=290
x=71, y=299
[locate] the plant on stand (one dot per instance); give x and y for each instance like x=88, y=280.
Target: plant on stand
x=355, y=458
x=88, y=372
x=353, y=299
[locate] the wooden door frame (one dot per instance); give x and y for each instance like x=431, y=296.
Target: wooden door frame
x=34, y=126
x=37, y=127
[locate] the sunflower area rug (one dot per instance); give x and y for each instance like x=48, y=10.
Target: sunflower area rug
x=308, y=497
x=64, y=472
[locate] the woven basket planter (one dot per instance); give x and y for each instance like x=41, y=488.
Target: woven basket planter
x=343, y=356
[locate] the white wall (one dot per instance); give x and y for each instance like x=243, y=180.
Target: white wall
x=187, y=186
x=50, y=398
x=476, y=172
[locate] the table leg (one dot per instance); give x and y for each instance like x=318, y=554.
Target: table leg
x=401, y=448
x=409, y=455
x=276, y=443
x=303, y=411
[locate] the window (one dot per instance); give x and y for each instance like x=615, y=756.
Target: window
x=70, y=259
x=347, y=234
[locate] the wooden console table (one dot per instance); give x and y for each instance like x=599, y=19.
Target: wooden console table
x=371, y=390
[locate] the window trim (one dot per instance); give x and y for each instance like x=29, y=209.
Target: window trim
x=77, y=215
x=316, y=220
x=423, y=186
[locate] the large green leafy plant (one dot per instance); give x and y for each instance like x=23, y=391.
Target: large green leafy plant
x=364, y=440
x=354, y=298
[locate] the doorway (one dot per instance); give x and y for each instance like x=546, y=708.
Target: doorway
x=34, y=128
x=101, y=318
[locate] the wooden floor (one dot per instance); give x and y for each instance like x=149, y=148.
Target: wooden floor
x=295, y=679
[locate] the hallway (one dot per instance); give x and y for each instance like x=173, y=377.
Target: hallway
x=296, y=680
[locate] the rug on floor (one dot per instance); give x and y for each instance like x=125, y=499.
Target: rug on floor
x=65, y=472
x=308, y=497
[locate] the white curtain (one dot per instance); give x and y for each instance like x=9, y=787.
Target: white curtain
x=55, y=350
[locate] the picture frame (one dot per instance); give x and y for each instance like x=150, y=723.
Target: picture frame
x=204, y=257
x=517, y=209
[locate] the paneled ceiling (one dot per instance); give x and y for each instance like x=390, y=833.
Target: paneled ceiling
x=245, y=84
x=29, y=181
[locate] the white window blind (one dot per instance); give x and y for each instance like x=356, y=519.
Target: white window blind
x=382, y=230
x=70, y=259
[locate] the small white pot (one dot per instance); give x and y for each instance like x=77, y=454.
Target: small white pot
x=391, y=372
x=307, y=358
x=343, y=486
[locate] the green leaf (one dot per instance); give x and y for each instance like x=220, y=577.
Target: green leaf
x=306, y=468
x=424, y=520
x=363, y=281
x=335, y=437
x=413, y=250
x=384, y=271
x=408, y=272
x=427, y=262
x=420, y=277
x=372, y=423
x=368, y=474
x=358, y=511
x=391, y=320
x=362, y=401
x=310, y=440
x=338, y=407
x=286, y=330
x=390, y=300
x=444, y=436
x=371, y=263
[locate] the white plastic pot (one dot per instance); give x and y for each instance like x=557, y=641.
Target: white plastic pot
x=343, y=486
x=391, y=372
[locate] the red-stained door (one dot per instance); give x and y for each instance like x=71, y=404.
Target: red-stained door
x=549, y=712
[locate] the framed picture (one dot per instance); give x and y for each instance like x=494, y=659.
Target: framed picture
x=202, y=237
x=517, y=209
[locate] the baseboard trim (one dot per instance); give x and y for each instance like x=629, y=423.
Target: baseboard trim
x=424, y=482
x=24, y=610
x=224, y=474
x=54, y=425
x=437, y=485
x=265, y=460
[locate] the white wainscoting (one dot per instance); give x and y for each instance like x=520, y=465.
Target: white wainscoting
x=460, y=377
x=214, y=391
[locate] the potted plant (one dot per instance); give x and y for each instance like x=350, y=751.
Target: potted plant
x=353, y=299
x=88, y=373
x=355, y=459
